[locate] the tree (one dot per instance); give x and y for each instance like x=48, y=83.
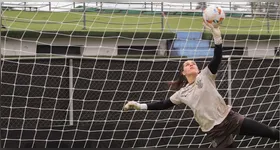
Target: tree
x=253, y=7
x=235, y=7
x=273, y=10
x=201, y=5
x=261, y=7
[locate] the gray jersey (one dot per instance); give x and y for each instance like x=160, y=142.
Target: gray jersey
x=202, y=97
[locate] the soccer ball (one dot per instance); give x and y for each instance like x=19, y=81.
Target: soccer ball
x=214, y=15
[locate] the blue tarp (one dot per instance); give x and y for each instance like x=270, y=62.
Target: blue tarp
x=180, y=44
x=190, y=44
x=190, y=52
x=189, y=35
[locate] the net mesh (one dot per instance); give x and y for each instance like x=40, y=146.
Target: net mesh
x=68, y=68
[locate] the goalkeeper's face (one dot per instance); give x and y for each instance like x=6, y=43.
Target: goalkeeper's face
x=190, y=68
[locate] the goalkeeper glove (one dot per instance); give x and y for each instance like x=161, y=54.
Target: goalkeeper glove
x=134, y=105
x=215, y=32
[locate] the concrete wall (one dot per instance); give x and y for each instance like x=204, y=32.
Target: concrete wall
x=108, y=47
x=256, y=48
x=90, y=46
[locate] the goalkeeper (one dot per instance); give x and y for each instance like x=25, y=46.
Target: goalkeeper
x=197, y=90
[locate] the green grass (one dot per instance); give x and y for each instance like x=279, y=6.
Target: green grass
x=73, y=21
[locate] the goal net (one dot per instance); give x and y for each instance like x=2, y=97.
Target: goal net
x=68, y=68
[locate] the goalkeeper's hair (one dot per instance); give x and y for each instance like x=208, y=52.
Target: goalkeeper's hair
x=181, y=80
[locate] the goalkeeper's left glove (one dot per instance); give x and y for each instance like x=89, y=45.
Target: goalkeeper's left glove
x=215, y=32
x=134, y=105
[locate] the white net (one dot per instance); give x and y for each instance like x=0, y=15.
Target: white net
x=67, y=69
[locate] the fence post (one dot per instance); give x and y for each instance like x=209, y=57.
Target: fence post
x=162, y=17
x=71, y=116
x=229, y=82
x=267, y=17
x=84, y=15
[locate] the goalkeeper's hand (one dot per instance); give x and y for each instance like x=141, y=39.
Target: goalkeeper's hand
x=215, y=32
x=132, y=105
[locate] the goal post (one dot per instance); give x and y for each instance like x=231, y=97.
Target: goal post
x=67, y=70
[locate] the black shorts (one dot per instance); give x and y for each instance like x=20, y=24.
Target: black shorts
x=221, y=135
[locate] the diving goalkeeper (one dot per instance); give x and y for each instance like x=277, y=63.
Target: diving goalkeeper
x=197, y=90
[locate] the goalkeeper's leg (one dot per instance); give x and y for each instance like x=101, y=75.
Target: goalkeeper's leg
x=251, y=127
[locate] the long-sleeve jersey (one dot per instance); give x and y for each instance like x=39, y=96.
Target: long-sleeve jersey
x=202, y=97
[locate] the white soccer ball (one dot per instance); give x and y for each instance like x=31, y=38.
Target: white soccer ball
x=214, y=15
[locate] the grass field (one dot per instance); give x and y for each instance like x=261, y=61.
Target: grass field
x=70, y=21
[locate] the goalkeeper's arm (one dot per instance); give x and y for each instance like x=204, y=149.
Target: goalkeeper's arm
x=217, y=58
x=165, y=104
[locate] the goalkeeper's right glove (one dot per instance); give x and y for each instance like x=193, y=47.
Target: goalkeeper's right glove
x=134, y=105
x=215, y=32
